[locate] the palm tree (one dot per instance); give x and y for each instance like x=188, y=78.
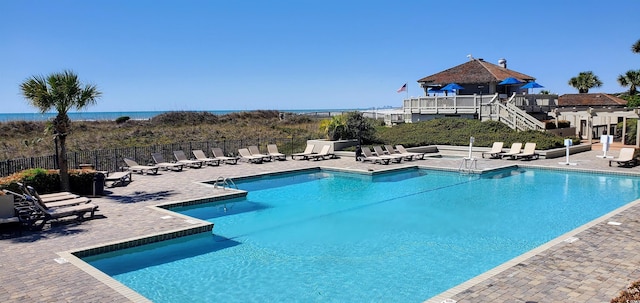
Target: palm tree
x=636, y=47
x=631, y=79
x=584, y=81
x=63, y=92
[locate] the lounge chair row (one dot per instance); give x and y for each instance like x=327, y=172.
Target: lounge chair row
x=390, y=154
x=252, y=154
x=515, y=152
x=308, y=153
x=200, y=159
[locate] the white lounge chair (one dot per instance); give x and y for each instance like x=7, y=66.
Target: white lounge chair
x=495, y=151
x=626, y=157
x=71, y=200
x=245, y=155
x=515, y=149
x=8, y=213
x=161, y=163
x=404, y=152
x=389, y=150
x=256, y=153
x=218, y=154
x=182, y=158
x=47, y=213
x=272, y=150
x=308, y=151
x=201, y=156
x=143, y=169
x=368, y=156
x=380, y=153
x=324, y=152
x=528, y=153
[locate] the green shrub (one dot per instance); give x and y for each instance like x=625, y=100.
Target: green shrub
x=48, y=181
x=122, y=119
x=454, y=131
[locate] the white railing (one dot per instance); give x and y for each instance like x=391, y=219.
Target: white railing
x=516, y=118
x=463, y=104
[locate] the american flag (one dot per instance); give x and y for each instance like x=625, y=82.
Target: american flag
x=402, y=88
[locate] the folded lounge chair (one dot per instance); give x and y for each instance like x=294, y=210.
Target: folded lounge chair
x=495, y=151
x=404, y=152
x=368, y=156
x=308, y=151
x=218, y=154
x=245, y=155
x=117, y=178
x=256, y=153
x=182, y=158
x=528, y=153
x=143, y=169
x=395, y=158
x=272, y=150
x=515, y=149
x=200, y=155
x=626, y=157
x=324, y=152
x=161, y=163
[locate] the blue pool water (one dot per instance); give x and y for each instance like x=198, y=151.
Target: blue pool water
x=339, y=237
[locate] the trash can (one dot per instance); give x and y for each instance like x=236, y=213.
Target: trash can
x=98, y=184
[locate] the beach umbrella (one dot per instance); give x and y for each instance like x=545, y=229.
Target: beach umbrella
x=532, y=85
x=510, y=81
x=452, y=87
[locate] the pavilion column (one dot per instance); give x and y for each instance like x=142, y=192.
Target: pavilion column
x=638, y=133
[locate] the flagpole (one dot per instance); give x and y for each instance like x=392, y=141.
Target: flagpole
x=407, y=91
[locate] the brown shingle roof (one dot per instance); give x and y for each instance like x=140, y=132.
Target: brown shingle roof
x=597, y=99
x=476, y=71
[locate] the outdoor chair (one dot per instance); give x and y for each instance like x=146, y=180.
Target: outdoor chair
x=201, y=156
x=256, y=153
x=161, y=163
x=308, y=151
x=218, y=154
x=143, y=169
x=246, y=156
x=495, y=151
x=404, y=152
x=528, y=153
x=368, y=156
x=626, y=157
x=272, y=150
x=380, y=153
x=182, y=158
x=515, y=149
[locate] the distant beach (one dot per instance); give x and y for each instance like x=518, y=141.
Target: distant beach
x=146, y=115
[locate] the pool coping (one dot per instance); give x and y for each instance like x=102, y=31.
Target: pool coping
x=200, y=226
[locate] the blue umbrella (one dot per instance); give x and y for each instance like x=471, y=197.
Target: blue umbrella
x=510, y=80
x=532, y=85
x=452, y=87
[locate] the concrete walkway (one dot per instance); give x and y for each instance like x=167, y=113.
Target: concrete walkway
x=593, y=269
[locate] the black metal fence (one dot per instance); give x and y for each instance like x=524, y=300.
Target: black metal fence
x=112, y=159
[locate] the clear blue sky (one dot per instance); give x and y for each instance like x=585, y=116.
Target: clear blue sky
x=302, y=54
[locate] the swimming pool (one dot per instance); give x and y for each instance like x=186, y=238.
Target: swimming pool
x=335, y=237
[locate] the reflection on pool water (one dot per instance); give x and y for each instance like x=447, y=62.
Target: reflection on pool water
x=339, y=237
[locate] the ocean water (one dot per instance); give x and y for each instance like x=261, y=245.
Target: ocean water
x=135, y=115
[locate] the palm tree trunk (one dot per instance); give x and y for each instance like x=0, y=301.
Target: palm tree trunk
x=64, y=168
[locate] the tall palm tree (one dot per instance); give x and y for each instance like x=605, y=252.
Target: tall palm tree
x=584, y=81
x=631, y=79
x=62, y=92
x=636, y=47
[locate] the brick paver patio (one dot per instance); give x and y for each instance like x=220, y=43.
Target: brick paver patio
x=595, y=268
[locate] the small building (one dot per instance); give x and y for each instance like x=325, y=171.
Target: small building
x=476, y=76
